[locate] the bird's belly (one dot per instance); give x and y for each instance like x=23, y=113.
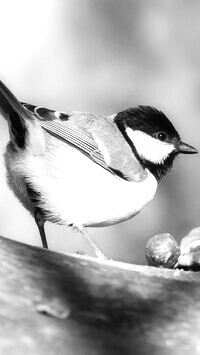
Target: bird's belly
x=77, y=191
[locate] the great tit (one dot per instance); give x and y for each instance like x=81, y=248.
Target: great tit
x=82, y=169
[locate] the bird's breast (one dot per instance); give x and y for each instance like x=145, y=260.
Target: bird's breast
x=75, y=190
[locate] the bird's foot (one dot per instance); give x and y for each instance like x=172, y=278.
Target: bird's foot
x=97, y=251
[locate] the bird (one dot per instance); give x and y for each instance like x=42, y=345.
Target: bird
x=86, y=170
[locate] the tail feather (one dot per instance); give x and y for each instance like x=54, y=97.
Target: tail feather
x=16, y=115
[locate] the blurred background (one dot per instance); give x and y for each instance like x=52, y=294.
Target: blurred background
x=103, y=56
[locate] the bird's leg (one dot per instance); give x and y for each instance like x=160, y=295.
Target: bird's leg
x=40, y=223
x=97, y=251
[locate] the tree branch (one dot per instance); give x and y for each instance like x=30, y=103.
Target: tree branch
x=70, y=304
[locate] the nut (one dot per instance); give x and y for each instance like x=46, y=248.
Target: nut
x=190, y=251
x=162, y=250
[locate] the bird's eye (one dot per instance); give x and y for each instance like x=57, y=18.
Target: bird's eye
x=162, y=136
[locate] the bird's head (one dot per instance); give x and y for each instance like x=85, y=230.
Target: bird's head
x=152, y=137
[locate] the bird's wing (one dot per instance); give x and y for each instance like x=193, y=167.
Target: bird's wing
x=63, y=127
x=95, y=136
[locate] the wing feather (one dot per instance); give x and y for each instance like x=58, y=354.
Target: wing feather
x=69, y=133
x=75, y=137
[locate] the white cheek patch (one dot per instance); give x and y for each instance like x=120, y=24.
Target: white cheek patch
x=149, y=148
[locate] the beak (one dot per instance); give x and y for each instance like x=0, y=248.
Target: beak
x=186, y=149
